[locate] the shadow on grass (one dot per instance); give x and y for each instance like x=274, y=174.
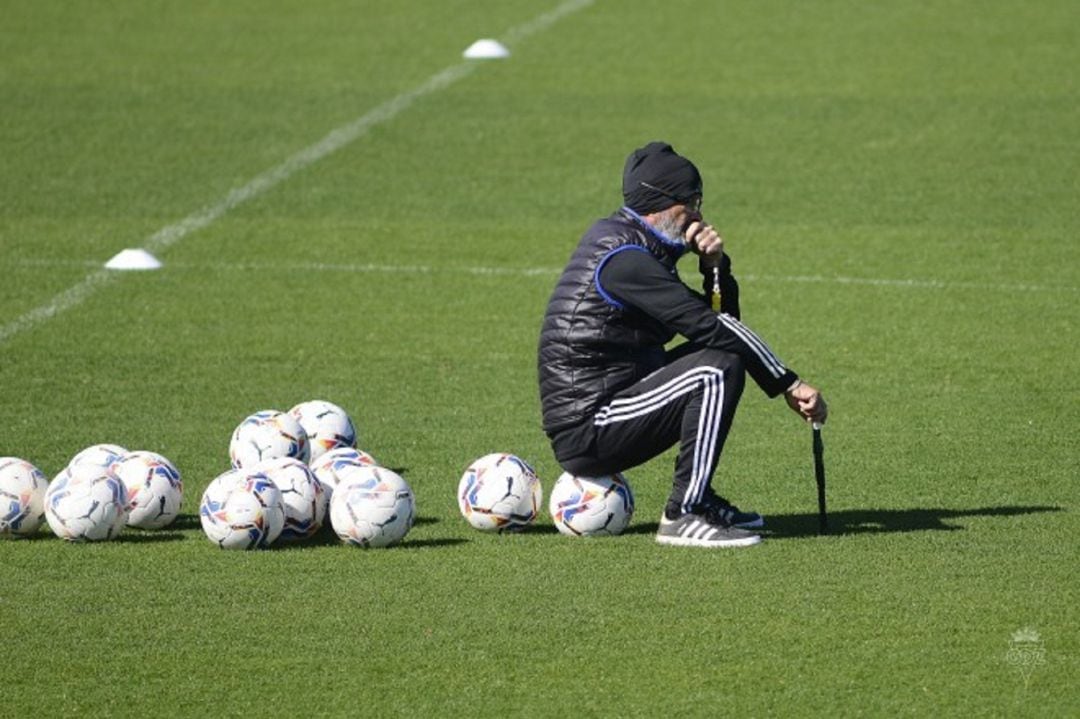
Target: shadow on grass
x=43, y=534
x=427, y=543
x=147, y=536
x=642, y=528
x=186, y=521
x=872, y=521
x=323, y=539
x=885, y=521
x=534, y=528
x=326, y=537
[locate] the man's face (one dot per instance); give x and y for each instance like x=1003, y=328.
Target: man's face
x=687, y=212
x=674, y=220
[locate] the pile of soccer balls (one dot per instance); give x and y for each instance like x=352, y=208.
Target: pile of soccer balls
x=103, y=489
x=291, y=471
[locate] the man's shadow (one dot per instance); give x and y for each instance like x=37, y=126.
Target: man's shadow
x=875, y=521
x=882, y=521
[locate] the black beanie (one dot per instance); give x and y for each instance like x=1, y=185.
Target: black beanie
x=660, y=166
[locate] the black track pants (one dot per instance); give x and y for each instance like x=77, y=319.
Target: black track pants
x=690, y=401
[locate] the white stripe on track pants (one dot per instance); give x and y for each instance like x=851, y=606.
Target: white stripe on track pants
x=690, y=401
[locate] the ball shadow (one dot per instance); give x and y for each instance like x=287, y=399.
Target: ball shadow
x=429, y=543
x=148, y=536
x=185, y=521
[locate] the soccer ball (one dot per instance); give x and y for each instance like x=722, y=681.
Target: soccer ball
x=242, y=509
x=86, y=503
x=372, y=507
x=102, y=455
x=328, y=467
x=268, y=435
x=154, y=489
x=327, y=426
x=500, y=492
x=22, y=498
x=589, y=506
x=215, y=493
x=303, y=497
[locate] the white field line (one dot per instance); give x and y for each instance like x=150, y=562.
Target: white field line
x=332, y=142
x=924, y=284
x=553, y=272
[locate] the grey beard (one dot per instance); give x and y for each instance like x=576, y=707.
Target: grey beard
x=667, y=227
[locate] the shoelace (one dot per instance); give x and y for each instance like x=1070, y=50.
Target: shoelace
x=722, y=514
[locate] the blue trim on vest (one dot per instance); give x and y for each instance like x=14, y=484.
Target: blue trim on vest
x=678, y=247
x=600, y=266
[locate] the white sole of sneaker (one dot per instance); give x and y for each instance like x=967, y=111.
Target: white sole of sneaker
x=692, y=542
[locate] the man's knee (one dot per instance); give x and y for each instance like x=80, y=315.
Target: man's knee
x=730, y=363
x=732, y=367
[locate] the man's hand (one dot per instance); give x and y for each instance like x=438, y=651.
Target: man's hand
x=704, y=240
x=807, y=402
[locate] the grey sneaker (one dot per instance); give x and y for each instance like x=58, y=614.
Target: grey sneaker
x=696, y=530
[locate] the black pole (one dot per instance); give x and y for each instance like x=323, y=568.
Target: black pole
x=819, y=475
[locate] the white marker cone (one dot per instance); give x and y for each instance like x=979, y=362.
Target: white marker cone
x=133, y=260
x=486, y=49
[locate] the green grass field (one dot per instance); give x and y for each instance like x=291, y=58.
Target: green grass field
x=896, y=184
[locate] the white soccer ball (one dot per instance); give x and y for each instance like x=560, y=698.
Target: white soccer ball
x=102, y=455
x=303, y=497
x=86, y=503
x=242, y=509
x=327, y=426
x=22, y=498
x=215, y=493
x=328, y=467
x=590, y=506
x=372, y=507
x=500, y=492
x=154, y=489
x=268, y=434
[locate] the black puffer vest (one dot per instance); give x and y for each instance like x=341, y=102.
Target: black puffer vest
x=590, y=346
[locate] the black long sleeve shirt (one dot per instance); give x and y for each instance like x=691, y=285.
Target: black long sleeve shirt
x=638, y=280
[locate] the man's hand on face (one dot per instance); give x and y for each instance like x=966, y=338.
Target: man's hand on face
x=705, y=241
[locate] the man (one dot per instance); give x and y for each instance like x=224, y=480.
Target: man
x=612, y=397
